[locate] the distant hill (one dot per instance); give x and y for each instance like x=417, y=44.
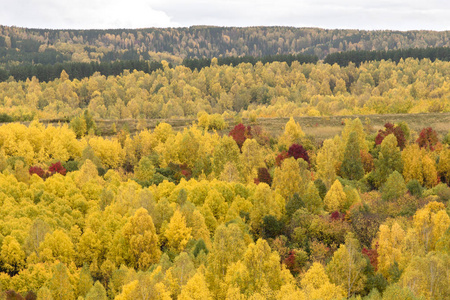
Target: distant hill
x=44, y=46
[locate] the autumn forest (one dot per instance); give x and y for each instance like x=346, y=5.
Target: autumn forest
x=223, y=208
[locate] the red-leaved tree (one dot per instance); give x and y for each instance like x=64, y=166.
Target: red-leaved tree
x=280, y=157
x=428, y=138
x=57, y=168
x=264, y=176
x=388, y=129
x=240, y=133
x=297, y=151
x=38, y=171
x=372, y=254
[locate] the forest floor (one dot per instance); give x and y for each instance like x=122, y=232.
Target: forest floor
x=319, y=127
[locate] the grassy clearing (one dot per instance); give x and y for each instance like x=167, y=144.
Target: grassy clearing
x=320, y=127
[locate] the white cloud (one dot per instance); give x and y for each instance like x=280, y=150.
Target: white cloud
x=83, y=14
x=359, y=14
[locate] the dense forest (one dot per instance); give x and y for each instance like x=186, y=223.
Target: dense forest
x=270, y=90
x=19, y=45
x=244, y=214
x=360, y=56
x=195, y=215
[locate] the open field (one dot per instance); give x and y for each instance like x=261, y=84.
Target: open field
x=320, y=127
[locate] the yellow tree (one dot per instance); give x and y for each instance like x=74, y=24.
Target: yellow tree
x=430, y=224
x=252, y=159
x=259, y=271
x=335, y=199
x=140, y=235
x=227, y=151
x=292, y=134
x=444, y=164
x=389, y=250
x=177, y=234
x=430, y=175
x=428, y=276
x=228, y=247
x=60, y=284
x=89, y=248
x=327, y=161
x=196, y=288
x=346, y=267
x=316, y=284
x=389, y=160
x=291, y=178
x=357, y=127
x=12, y=256
x=97, y=292
x=57, y=246
x=265, y=202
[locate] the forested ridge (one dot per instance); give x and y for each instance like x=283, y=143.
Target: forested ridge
x=193, y=215
x=174, y=44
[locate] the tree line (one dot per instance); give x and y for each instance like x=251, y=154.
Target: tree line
x=76, y=70
x=113, y=63
x=195, y=63
x=358, y=57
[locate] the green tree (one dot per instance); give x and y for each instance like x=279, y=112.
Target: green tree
x=85, y=282
x=389, y=160
x=97, y=292
x=352, y=167
x=394, y=187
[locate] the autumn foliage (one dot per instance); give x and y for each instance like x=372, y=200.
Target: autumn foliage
x=428, y=138
x=390, y=128
x=297, y=151
x=240, y=133
x=53, y=169
x=179, y=214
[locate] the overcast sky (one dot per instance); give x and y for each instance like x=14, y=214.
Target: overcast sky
x=104, y=14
